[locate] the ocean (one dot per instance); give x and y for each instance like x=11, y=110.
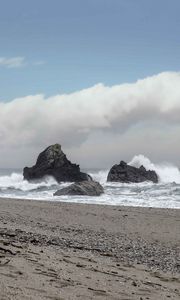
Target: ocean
x=165, y=194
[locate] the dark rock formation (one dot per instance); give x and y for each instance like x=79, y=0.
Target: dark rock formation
x=53, y=162
x=126, y=173
x=87, y=188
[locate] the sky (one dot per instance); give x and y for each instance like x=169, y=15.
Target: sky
x=100, y=77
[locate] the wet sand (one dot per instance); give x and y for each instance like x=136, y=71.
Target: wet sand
x=53, y=250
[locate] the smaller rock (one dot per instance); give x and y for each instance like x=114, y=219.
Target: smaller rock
x=127, y=174
x=87, y=188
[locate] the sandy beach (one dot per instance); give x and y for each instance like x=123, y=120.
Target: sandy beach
x=53, y=250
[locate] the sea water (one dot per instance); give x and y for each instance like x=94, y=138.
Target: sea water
x=165, y=194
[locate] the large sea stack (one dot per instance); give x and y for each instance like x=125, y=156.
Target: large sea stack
x=53, y=162
x=127, y=174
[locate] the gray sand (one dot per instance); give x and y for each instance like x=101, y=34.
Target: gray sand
x=53, y=250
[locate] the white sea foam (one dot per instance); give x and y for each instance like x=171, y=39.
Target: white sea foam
x=164, y=194
x=100, y=176
x=167, y=172
x=15, y=181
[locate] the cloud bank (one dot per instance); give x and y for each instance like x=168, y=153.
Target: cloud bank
x=101, y=124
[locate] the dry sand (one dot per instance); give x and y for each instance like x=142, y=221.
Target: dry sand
x=51, y=250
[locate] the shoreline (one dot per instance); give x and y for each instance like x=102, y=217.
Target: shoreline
x=85, y=203
x=60, y=250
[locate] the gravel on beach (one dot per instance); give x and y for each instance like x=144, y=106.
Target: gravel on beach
x=55, y=250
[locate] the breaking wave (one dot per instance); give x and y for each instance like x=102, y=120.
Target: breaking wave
x=166, y=172
x=100, y=176
x=15, y=181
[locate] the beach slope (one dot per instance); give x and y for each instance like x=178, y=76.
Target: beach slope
x=54, y=250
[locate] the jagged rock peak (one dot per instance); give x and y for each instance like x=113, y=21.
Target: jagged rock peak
x=53, y=162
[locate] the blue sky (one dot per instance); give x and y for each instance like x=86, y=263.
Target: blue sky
x=68, y=45
x=57, y=47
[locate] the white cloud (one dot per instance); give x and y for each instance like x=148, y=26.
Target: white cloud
x=18, y=62
x=13, y=62
x=118, y=121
